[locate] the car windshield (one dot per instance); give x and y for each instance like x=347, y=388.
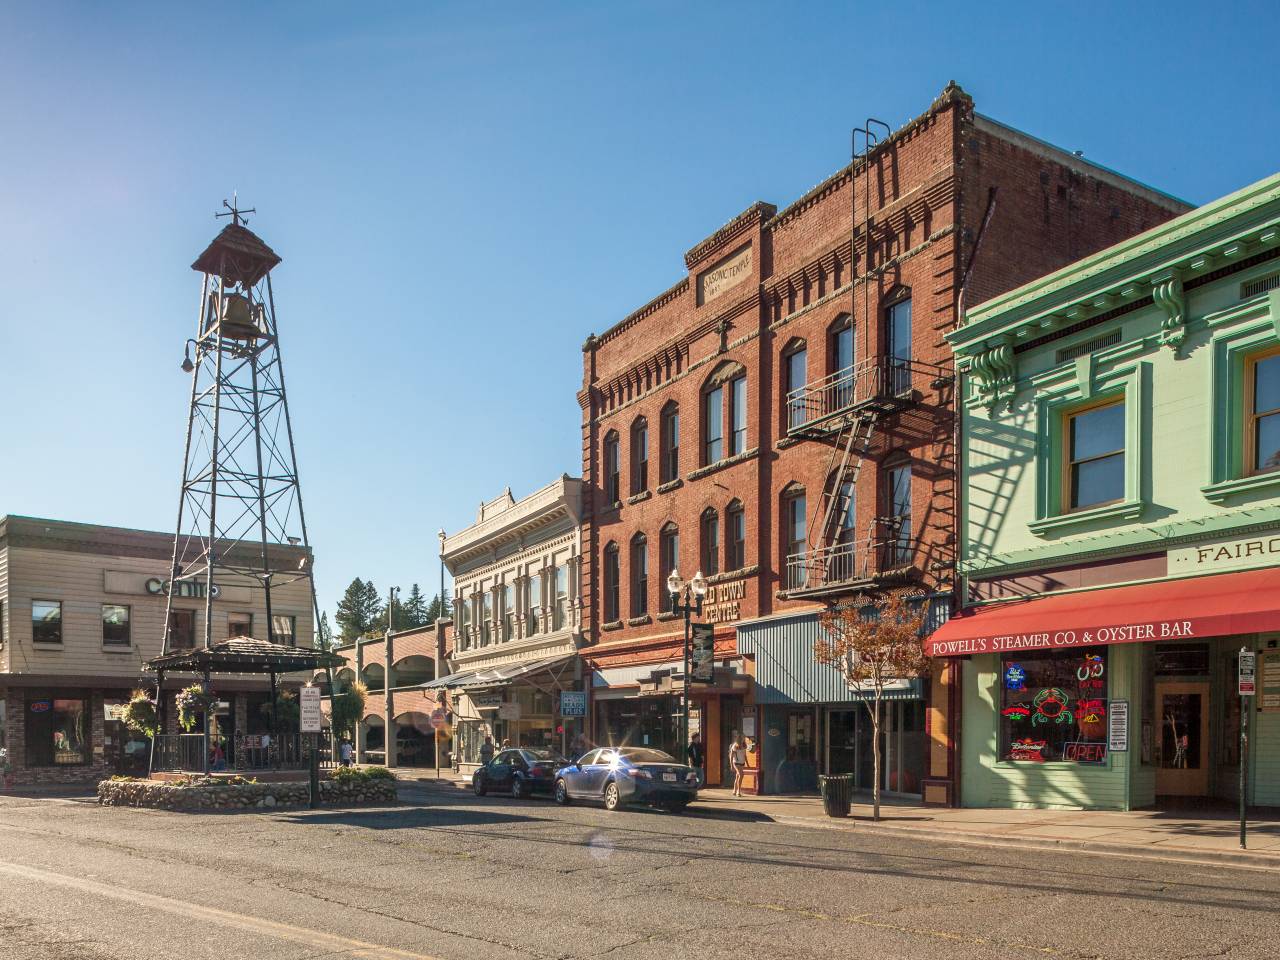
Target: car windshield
x=545, y=756
x=646, y=756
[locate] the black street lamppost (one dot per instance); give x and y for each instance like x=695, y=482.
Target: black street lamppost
x=686, y=599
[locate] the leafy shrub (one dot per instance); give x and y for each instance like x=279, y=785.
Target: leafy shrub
x=139, y=715
x=354, y=776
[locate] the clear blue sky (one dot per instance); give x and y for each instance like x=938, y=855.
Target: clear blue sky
x=462, y=192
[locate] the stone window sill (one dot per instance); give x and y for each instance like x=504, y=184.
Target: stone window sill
x=612, y=625
x=664, y=617
x=1125, y=510
x=724, y=464
x=639, y=621
x=1218, y=492
x=785, y=442
x=640, y=497
x=670, y=485
x=734, y=574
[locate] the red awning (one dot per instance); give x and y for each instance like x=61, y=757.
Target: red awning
x=1221, y=605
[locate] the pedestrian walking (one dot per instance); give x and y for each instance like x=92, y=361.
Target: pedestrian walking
x=738, y=761
x=344, y=752
x=486, y=750
x=697, y=755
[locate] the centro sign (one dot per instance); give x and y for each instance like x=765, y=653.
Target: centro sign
x=186, y=588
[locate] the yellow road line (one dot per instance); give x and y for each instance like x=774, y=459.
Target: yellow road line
x=197, y=911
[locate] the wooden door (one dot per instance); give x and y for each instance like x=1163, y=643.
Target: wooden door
x=1182, y=746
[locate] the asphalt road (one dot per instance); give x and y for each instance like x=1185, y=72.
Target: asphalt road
x=452, y=877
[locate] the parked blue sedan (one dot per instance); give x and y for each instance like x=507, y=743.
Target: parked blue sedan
x=617, y=776
x=523, y=771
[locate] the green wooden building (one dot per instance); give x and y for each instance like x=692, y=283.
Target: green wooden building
x=1119, y=536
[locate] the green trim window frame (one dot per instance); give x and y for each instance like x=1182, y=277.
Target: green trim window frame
x=1262, y=412
x=1057, y=403
x=1093, y=458
x=115, y=625
x=1241, y=339
x=46, y=621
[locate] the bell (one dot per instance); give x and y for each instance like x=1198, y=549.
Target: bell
x=238, y=320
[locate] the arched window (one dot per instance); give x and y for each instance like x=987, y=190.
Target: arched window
x=841, y=533
x=724, y=413
x=795, y=536
x=639, y=575
x=668, y=560
x=795, y=377
x=897, y=320
x=639, y=455
x=710, y=541
x=669, y=468
x=735, y=547
x=897, y=494
x=612, y=486
x=840, y=359
x=612, y=580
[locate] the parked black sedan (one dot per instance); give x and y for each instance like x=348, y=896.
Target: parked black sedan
x=622, y=775
x=523, y=771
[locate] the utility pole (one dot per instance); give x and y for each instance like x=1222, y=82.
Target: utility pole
x=388, y=725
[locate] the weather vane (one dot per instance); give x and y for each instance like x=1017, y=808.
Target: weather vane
x=234, y=211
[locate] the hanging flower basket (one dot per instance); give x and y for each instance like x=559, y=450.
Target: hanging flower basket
x=139, y=715
x=191, y=701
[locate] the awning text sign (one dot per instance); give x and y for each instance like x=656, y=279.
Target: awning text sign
x=1060, y=639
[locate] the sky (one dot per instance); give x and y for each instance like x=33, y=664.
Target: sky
x=463, y=192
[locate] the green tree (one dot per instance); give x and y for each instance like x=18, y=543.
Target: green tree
x=414, y=611
x=439, y=607
x=359, y=611
x=348, y=708
x=325, y=634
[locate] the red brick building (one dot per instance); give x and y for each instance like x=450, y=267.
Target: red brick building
x=782, y=419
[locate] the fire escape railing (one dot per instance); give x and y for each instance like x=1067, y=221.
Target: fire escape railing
x=880, y=382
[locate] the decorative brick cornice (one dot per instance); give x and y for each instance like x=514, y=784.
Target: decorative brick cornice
x=756, y=213
x=661, y=300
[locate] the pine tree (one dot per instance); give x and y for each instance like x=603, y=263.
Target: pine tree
x=414, y=611
x=325, y=634
x=438, y=608
x=359, y=610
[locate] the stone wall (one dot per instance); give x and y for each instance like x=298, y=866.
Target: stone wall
x=223, y=795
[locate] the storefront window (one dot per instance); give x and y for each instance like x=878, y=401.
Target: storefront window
x=57, y=732
x=46, y=621
x=1053, y=706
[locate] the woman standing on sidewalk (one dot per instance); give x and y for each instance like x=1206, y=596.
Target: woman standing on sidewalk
x=738, y=761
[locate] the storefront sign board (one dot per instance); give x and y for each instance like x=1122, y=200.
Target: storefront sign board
x=1118, y=726
x=309, y=718
x=113, y=711
x=1270, y=699
x=1240, y=553
x=702, y=653
x=486, y=701
x=573, y=703
x=509, y=711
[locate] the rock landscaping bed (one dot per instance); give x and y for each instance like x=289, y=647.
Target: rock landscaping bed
x=347, y=788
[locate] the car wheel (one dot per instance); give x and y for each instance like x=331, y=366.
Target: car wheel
x=519, y=789
x=612, y=798
x=477, y=784
x=562, y=793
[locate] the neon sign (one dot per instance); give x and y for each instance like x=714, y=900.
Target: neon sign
x=1018, y=711
x=1015, y=676
x=1051, y=706
x=1028, y=749
x=1084, y=752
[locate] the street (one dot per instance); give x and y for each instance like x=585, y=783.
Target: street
x=446, y=875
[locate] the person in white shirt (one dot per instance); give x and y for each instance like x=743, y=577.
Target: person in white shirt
x=737, y=760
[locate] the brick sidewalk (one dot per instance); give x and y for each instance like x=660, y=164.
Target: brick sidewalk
x=1153, y=833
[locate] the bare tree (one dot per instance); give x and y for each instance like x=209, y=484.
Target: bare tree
x=873, y=651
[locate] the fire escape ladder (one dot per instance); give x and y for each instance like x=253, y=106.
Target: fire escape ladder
x=836, y=500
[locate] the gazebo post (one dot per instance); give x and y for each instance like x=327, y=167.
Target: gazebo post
x=209, y=710
x=333, y=733
x=275, y=721
x=159, y=719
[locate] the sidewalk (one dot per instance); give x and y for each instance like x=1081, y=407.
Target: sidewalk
x=1211, y=837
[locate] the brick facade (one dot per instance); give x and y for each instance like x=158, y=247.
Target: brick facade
x=954, y=200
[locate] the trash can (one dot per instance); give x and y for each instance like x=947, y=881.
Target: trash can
x=837, y=794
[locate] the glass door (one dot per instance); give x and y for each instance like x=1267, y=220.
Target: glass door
x=1182, y=746
x=842, y=746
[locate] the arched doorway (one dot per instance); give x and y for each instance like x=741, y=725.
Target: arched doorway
x=415, y=740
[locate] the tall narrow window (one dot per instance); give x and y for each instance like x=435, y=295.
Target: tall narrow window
x=898, y=514
x=738, y=415
x=735, y=521
x=1094, y=456
x=533, y=615
x=1262, y=390
x=670, y=466
x=840, y=393
x=898, y=345
x=115, y=625
x=710, y=542
x=796, y=547
x=639, y=456
x=639, y=576
x=46, y=621
x=462, y=610
x=612, y=578
x=841, y=559
x=561, y=618
x=713, y=425
x=668, y=560
x=508, y=612
x=284, y=629
x=795, y=377
x=486, y=621
x=612, y=489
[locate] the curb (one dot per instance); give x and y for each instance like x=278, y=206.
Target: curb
x=1223, y=858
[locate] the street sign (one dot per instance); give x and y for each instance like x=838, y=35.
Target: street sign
x=437, y=718
x=1248, y=668
x=309, y=718
x=573, y=703
x=702, y=653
